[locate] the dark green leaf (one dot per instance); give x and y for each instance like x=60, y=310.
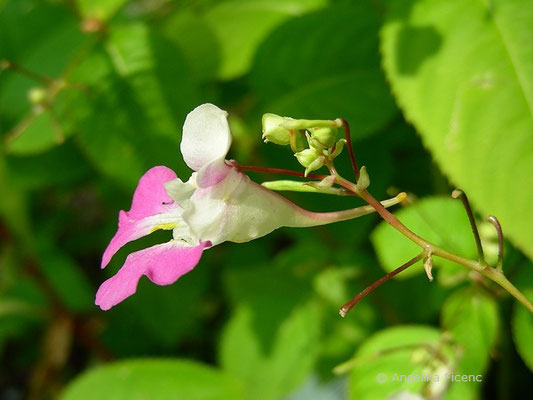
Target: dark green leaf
x=326, y=65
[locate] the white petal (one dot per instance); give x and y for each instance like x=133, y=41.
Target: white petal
x=180, y=191
x=238, y=210
x=206, y=136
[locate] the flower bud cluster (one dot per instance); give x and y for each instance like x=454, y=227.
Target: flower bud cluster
x=313, y=142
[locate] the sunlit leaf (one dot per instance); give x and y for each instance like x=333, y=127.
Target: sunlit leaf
x=270, y=345
x=381, y=361
x=523, y=331
x=240, y=25
x=472, y=318
x=440, y=220
x=153, y=379
x=462, y=72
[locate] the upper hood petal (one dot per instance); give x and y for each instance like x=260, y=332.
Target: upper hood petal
x=206, y=136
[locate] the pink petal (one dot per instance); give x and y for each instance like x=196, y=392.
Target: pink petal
x=150, y=198
x=163, y=264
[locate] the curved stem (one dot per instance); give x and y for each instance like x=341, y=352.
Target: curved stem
x=459, y=194
x=494, y=221
x=493, y=274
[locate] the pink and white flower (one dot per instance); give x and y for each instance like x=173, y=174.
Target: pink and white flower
x=218, y=203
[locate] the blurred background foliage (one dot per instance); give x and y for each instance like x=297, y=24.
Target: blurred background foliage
x=94, y=92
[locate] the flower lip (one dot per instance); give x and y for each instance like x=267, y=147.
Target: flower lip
x=206, y=136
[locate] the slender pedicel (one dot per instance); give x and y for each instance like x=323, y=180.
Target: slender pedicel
x=282, y=171
x=352, y=303
x=459, y=194
x=494, y=221
x=346, y=128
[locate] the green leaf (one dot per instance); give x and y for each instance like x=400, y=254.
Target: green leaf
x=14, y=205
x=23, y=306
x=22, y=168
x=270, y=345
x=326, y=65
x=386, y=356
x=523, y=330
x=65, y=277
x=101, y=10
x=38, y=133
x=462, y=72
x=128, y=122
x=442, y=221
x=179, y=308
x=37, y=128
x=240, y=25
x=153, y=379
x=281, y=368
x=195, y=38
x=472, y=318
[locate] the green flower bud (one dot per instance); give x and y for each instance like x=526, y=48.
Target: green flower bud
x=317, y=164
x=307, y=157
x=273, y=131
x=338, y=148
x=306, y=187
x=364, y=180
x=310, y=159
x=325, y=136
x=297, y=141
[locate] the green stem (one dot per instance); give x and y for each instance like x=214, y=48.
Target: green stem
x=493, y=274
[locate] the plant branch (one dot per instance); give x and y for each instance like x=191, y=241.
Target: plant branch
x=6, y=64
x=353, y=302
x=491, y=273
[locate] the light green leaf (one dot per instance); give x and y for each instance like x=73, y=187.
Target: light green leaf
x=240, y=25
x=153, y=379
x=472, y=318
x=101, y=10
x=442, y=221
x=36, y=129
x=462, y=72
x=523, y=330
x=281, y=368
x=386, y=356
x=270, y=345
x=325, y=65
x=36, y=133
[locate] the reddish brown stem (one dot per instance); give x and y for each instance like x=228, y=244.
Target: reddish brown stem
x=459, y=194
x=254, y=168
x=353, y=302
x=347, y=136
